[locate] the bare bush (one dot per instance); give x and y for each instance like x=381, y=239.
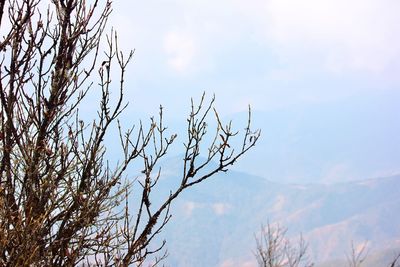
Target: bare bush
x=274, y=249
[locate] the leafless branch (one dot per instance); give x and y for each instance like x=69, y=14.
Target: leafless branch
x=61, y=202
x=274, y=249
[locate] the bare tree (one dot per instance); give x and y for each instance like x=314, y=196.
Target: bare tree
x=274, y=249
x=395, y=261
x=358, y=255
x=61, y=201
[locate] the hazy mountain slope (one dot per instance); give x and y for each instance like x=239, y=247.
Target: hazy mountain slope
x=214, y=224
x=382, y=258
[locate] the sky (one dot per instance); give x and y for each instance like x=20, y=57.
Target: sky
x=322, y=77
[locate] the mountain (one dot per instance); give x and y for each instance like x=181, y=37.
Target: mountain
x=214, y=223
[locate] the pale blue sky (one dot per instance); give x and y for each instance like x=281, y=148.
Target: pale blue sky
x=306, y=67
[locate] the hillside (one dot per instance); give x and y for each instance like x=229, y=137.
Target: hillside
x=214, y=224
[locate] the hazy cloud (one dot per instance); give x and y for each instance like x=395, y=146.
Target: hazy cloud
x=180, y=48
x=220, y=208
x=361, y=35
x=189, y=207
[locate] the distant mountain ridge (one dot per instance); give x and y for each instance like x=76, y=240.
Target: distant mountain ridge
x=214, y=223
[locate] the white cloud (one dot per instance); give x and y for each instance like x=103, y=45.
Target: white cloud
x=264, y=52
x=188, y=208
x=220, y=208
x=180, y=49
x=339, y=34
x=357, y=34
